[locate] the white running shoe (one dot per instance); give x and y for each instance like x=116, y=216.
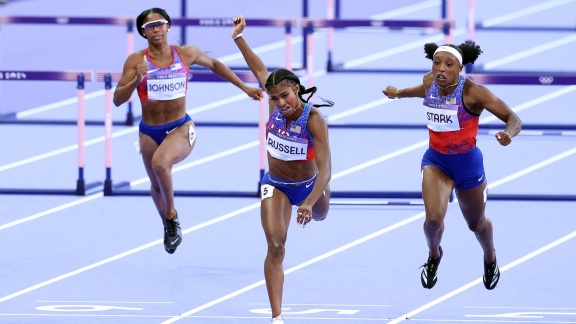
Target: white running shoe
x=278, y=320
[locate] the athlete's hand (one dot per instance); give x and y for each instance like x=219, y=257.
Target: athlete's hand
x=239, y=25
x=390, y=92
x=254, y=93
x=504, y=138
x=304, y=215
x=141, y=70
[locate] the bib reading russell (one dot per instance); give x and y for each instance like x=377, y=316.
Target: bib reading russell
x=293, y=143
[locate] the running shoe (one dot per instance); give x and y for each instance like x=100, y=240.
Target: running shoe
x=278, y=320
x=428, y=276
x=172, y=234
x=491, y=275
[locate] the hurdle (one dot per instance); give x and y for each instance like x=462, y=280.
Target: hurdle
x=123, y=188
x=473, y=25
x=445, y=25
x=80, y=77
x=67, y=21
x=287, y=24
x=493, y=25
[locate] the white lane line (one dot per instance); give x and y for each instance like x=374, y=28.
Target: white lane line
x=530, y=52
x=364, y=165
x=424, y=5
x=409, y=315
x=524, y=12
x=51, y=211
x=372, y=236
x=116, y=257
x=128, y=253
x=59, y=104
x=239, y=97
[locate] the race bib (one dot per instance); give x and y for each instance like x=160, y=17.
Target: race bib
x=166, y=88
x=442, y=117
x=286, y=148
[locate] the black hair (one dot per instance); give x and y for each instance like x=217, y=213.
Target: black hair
x=287, y=76
x=141, y=17
x=469, y=51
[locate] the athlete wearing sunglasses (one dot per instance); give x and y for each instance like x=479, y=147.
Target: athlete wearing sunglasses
x=160, y=74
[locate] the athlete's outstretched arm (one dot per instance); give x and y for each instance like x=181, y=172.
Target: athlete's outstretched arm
x=254, y=62
x=418, y=91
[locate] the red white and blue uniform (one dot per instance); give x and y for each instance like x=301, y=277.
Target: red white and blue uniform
x=289, y=143
x=164, y=83
x=453, y=129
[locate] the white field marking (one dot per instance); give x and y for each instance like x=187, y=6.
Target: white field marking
x=479, y=280
x=52, y=210
x=456, y=32
x=249, y=208
x=530, y=52
x=202, y=160
x=129, y=252
x=524, y=12
x=537, y=101
x=406, y=10
x=236, y=56
x=520, y=307
x=126, y=253
x=59, y=104
x=335, y=176
x=367, y=238
x=132, y=183
x=334, y=117
x=358, y=109
x=103, y=301
x=297, y=267
x=330, y=305
x=532, y=168
x=232, y=99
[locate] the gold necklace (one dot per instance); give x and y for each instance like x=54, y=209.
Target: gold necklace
x=450, y=85
x=160, y=51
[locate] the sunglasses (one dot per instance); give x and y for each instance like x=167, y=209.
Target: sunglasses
x=155, y=23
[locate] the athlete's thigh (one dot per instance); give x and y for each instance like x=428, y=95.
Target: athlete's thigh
x=436, y=190
x=276, y=212
x=147, y=149
x=177, y=145
x=472, y=202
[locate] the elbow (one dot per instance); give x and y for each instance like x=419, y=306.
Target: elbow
x=117, y=102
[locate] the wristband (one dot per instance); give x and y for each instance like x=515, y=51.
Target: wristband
x=237, y=36
x=397, y=93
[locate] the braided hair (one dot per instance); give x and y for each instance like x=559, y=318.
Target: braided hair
x=288, y=78
x=141, y=17
x=469, y=51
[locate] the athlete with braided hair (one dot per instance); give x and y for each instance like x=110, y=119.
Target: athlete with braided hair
x=299, y=162
x=453, y=104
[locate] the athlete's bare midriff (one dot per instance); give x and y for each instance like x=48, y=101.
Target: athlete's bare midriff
x=163, y=112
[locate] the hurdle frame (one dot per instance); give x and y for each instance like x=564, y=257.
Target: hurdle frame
x=80, y=77
x=12, y=118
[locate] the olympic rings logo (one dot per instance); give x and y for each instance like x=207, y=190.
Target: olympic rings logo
x=546, y=79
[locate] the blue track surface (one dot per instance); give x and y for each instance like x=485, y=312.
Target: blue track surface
x=96, y=259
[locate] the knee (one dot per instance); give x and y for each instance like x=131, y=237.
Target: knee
x=320, y=209
x=160, y=165
x=477, y=226
x=276, y=249
x=433, y=223
x=319, y=214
